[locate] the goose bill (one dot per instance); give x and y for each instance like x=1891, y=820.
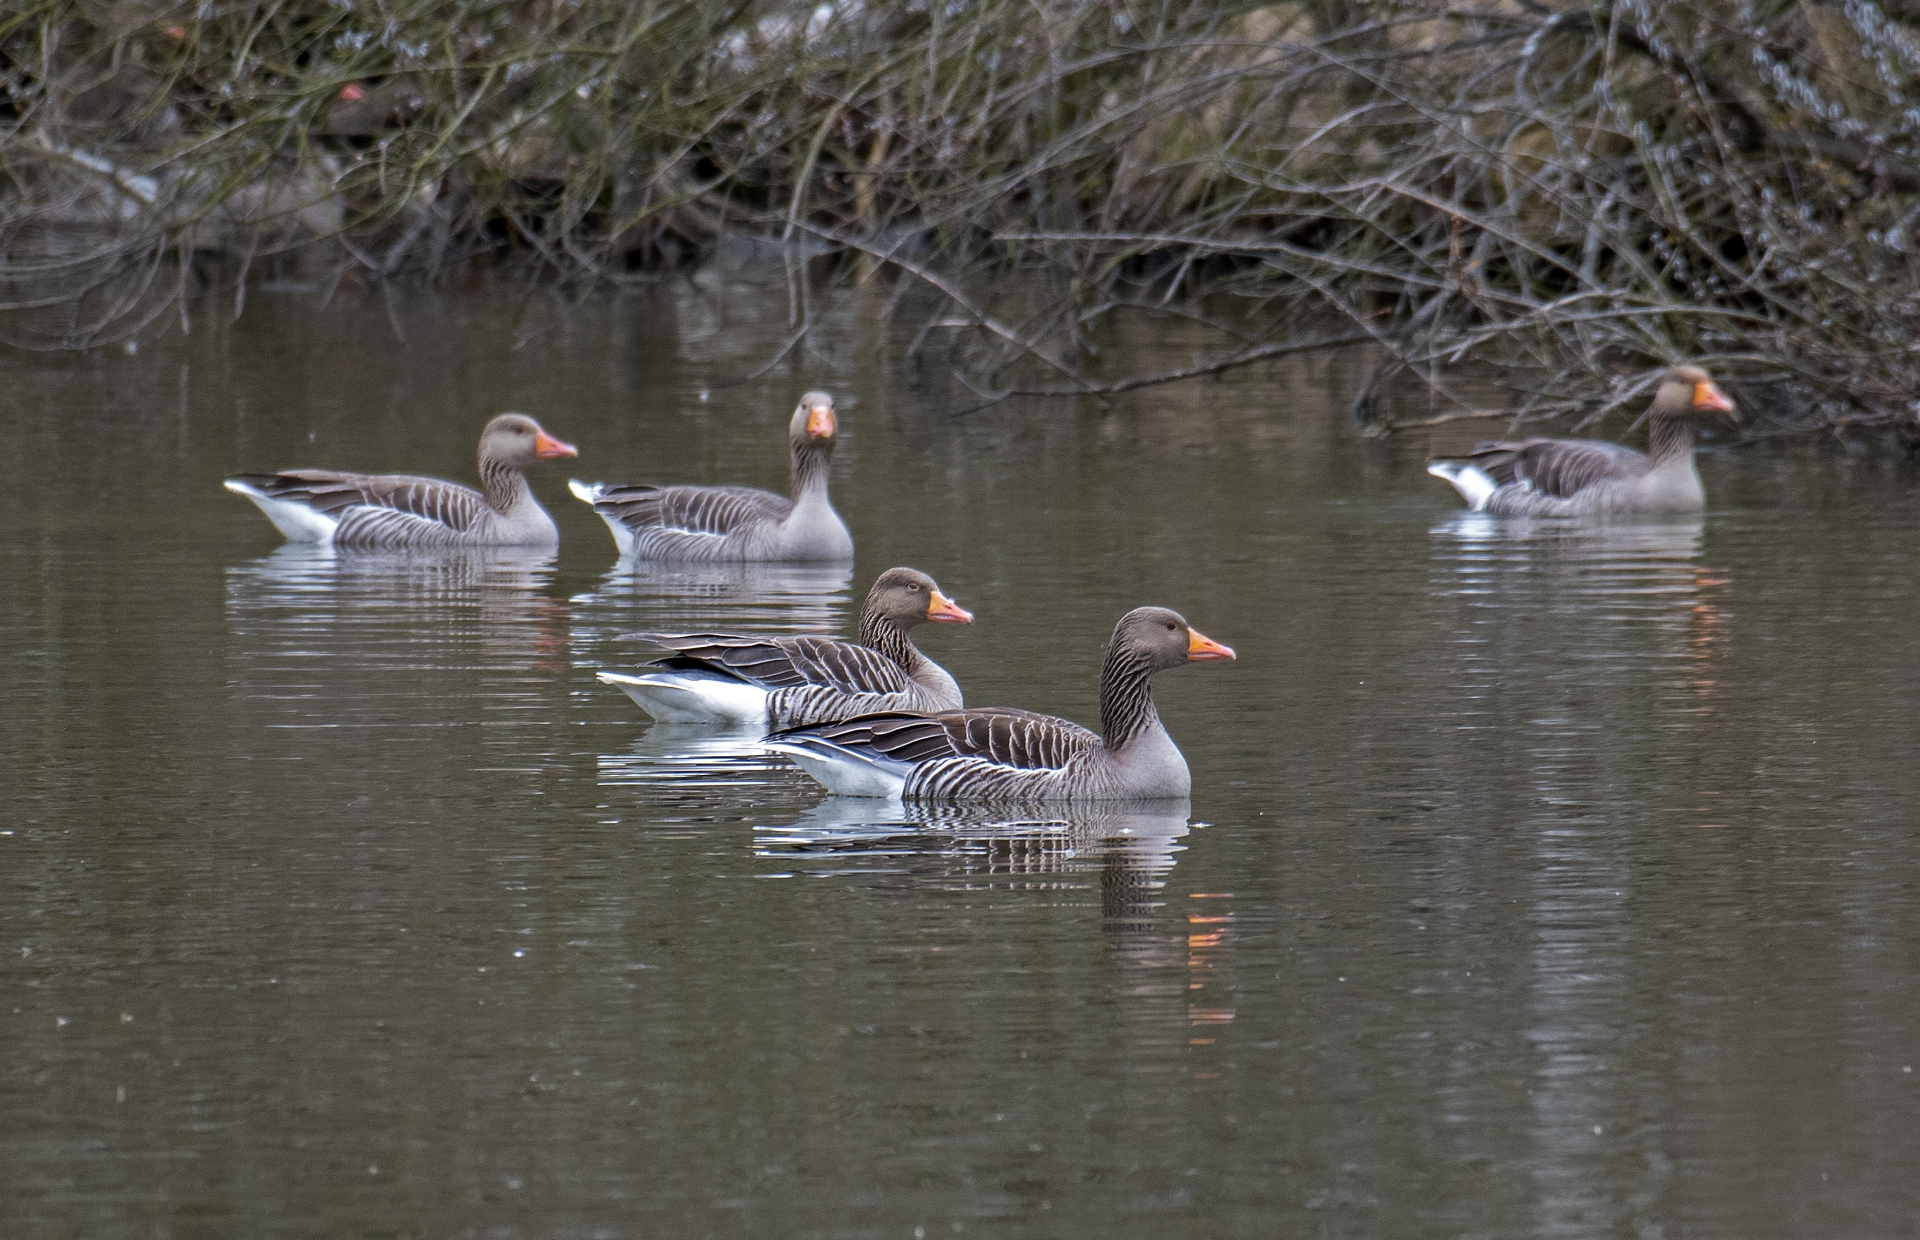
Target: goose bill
x=944, y=609
x=820, y=422
x=547, y=448
x=1711, y=399
x=1200, y=646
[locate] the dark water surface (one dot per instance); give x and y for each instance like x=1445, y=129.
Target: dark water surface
x=1538, y=880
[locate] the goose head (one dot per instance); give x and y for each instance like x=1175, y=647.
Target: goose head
x=1163, y=639
x=516, y=440
x=813, y=424
x=1689, y=392
x=909, y=597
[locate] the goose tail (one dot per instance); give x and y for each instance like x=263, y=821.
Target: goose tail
x=843, y=771
x=1469, y=479
x=296, y=521
x=590, y=493
x=690, y=697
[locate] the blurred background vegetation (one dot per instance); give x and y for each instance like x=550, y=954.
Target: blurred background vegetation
x=1572, y=194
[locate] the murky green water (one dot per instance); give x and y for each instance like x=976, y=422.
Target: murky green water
x=1539, y=881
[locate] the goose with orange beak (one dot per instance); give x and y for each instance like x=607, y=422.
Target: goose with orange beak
x=709, y=524
x=786, y=682
x=996, y=754
x=389, y=512
x=1579, y=477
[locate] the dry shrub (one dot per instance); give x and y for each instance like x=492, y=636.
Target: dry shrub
x=1575, y=194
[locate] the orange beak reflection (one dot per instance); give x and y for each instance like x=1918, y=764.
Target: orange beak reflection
x=1200, y=646
x=820, y=422
x=944, y=609
x=1708, y=398
x=547, y=448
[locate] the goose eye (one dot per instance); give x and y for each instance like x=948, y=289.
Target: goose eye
x=1171, y=627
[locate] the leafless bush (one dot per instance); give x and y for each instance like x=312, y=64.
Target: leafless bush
x=1575, y=195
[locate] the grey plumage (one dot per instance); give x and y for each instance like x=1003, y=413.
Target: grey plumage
x=1577, y=477
x=997, y=754
x=722, y=523
x=389, y=512
x=811, y=679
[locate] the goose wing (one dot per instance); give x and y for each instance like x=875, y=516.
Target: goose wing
x=696, y=510
x=1006, y=737
x=782, y=662
x=1557, y=467
x=326, y=491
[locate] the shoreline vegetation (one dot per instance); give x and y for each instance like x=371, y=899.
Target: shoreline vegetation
x=1571, y=195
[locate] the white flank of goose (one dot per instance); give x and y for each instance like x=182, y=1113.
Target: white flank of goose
x=1579, y=477
x=788, y=681
x=391, y=512
x=710, y=523
x=1001, y=755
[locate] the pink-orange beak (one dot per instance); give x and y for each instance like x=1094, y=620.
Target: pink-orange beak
x=1710, y=399
x=1200, y=646
x=820, y=422
x=353, y=92
x=547, y=448
x=944, y=609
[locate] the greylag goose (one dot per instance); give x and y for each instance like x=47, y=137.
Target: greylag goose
x=786, y=682
x=998, y=754
x=735, y=523
x=391, y=512
x=1577, y=477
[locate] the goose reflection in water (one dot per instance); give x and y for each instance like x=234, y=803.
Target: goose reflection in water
x=696, y=758
x=800, y=598
x=1172, y=980
x=1145, y=833
x=1608, y=583
x=451, y=575
x=447, y=639
x=378, y=594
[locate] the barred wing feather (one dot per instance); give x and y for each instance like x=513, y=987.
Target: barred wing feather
x=1557, y=467
x=696, y=510
x=784, y=662
x=327, y=491
x=1004, y=737
x=1016, y=738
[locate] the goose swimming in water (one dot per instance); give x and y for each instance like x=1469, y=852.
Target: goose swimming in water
x=1577, y=477
x=714, y=523
x=391, y=512
x=999, y=754
x=785, y=682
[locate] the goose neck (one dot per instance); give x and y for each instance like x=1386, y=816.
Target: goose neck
x=503, y=485
x=1669, y=438
x=880, y=634
x=811, y=464
x=1126, y=696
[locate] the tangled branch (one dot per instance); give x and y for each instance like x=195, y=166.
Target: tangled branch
x=1573, y=194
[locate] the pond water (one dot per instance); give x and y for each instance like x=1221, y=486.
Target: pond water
x=1538, y=880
